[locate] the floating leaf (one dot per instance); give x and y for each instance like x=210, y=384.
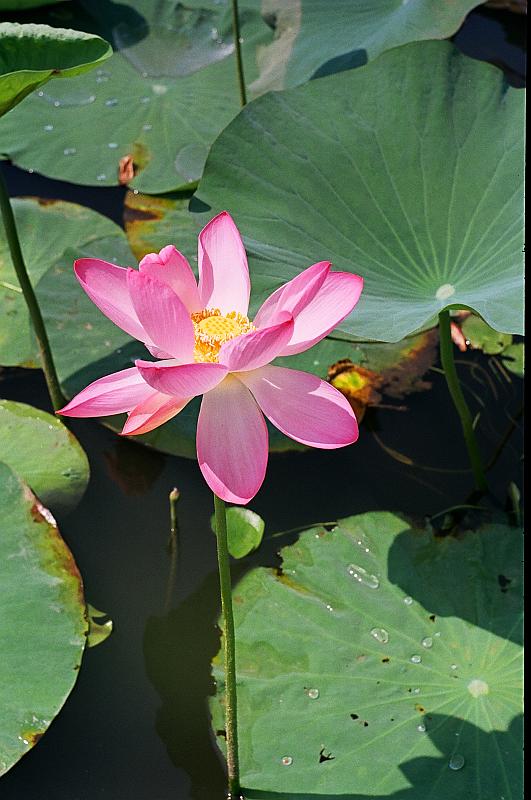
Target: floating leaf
x=407, y=171
x=309, y=37
x=98, y=630
x=50, y=231
x=32, y=54
x=153, y=222
x=45, y=454
x=245, y=530
x=163, y=97
x=43, y=629
x=482, y=337
x=20, y=5
x=513, y=359
x=377, y=659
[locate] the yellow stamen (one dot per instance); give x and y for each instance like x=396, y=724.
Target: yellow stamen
x=212, y=329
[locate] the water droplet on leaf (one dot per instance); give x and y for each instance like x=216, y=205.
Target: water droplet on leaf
x=457, y=761
x=362, y=576
x=380, y=634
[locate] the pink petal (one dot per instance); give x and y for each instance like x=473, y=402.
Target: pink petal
x=232, y=442
x=333, y=302
x=181, y=380
x=253, y=350
x=112, y=394
x=106, y=285
x=223, y=273
x=152, y=412
x=162, y=315
x=294, y=295
x=171, y=267
x=303, y=407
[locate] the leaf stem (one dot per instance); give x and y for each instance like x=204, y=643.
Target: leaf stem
x=52, y=381
x=238, y=52
x=229, y=649
x=456, y=393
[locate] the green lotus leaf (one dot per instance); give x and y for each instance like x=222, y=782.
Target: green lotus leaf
x=47, y=229
x=43, y=629
x=32, y=54
x=22, y=5
x=163, y=97
x=513, y=358
x=245, y=530
x=311, y=40
x=482, y=337
x=45, y=454
x=381, y=660
x=407, y=171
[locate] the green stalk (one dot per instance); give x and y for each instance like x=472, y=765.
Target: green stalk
x=448, y=363
x=229, y=649
x=238, y=52
x=52, y=381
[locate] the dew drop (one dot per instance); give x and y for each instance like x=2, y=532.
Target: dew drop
x=421, y=728
x=56, y=103
x=427, y=642
x=408, y=601
x=415, y=659
x=39, y=94
x=101, y=177
x=287, y=761
x=380, y=634
x=112, y=145
x=147, y=127
x=48, y=127
x=313, y=694
x=453, y=666
x=69, y=151
x=416, y=690
x=457, y=761
x=362, y=576
x=112, y=101
x=145, y=100
x=102, y=78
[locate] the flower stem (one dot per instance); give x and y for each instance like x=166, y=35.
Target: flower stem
x=52, y=381
x=238, y=52
x=448, y=363
x=229, y=649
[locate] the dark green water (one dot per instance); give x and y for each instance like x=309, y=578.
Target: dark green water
x=136, y=726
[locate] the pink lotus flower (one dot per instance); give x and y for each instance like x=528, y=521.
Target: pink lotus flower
x=208, y=346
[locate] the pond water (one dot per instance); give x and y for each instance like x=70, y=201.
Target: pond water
x=136, y=726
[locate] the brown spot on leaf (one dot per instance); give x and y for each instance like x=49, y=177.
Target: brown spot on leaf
x=415, y=358
x=420, y=708
x=358, y=384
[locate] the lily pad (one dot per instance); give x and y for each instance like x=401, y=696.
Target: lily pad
x=482, y=337
x=513, y=358
x=310, y=40
x=379, y=659
x=245, y=530
x=43, y=629
x=22, y=5
x=162, y=98
x=407, y=171
x=47, y=230
x=152, y=222
x=45, y=454
x=32, y=54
